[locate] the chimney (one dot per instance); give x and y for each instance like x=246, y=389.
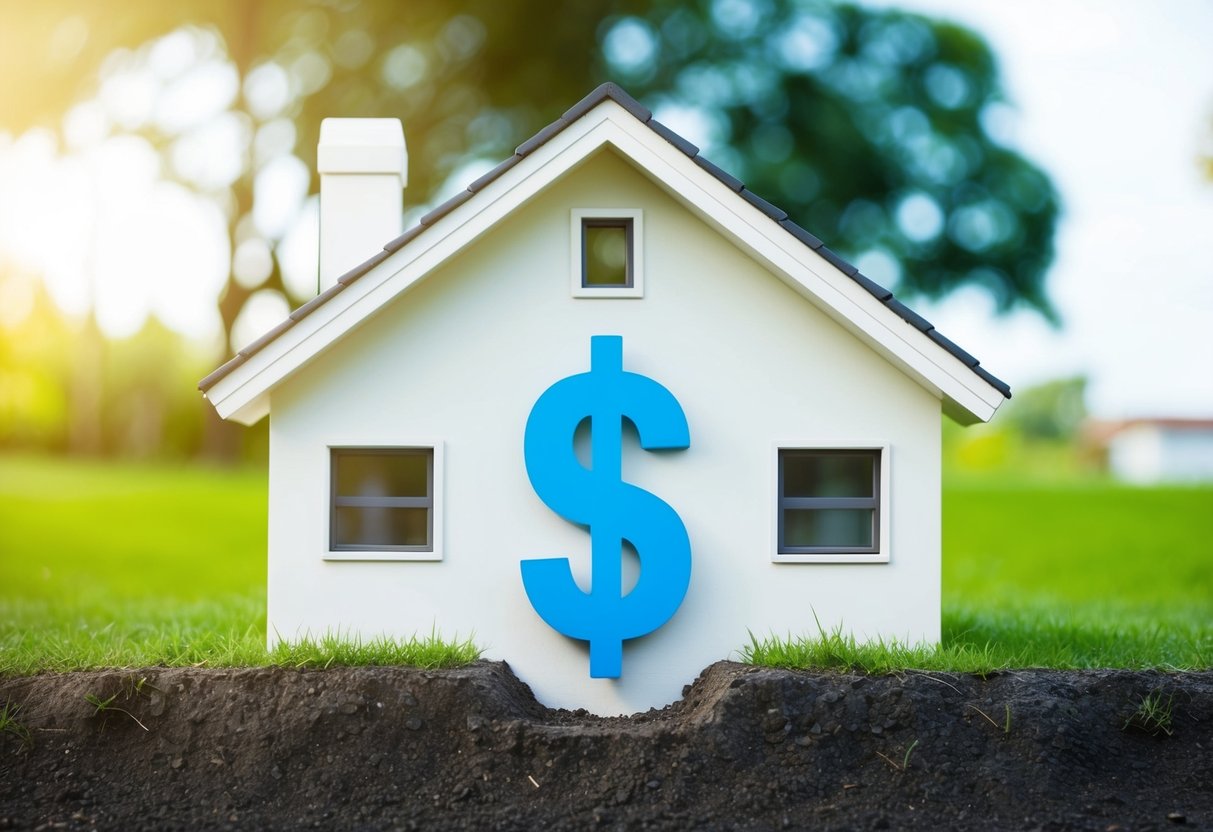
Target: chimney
x=363, y=168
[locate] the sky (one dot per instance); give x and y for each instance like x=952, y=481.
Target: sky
x=1114, y=99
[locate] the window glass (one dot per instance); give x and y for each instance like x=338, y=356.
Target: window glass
x=382, y=474
x=381, y=499
x=829, y=501
x=829, y=527
x=606, y=252
x=828, y=474
x=380, y=526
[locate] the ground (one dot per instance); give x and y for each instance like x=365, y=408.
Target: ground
x=469, y=748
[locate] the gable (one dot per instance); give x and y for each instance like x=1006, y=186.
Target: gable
x=719, y=323
x=608, y=117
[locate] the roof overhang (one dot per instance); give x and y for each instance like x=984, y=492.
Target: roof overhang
x=240, y=390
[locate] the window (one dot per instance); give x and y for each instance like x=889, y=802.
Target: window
x=831, y=504
x=383, y=504
x=607, y=253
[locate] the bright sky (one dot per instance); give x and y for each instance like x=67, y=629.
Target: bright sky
x=1114, y=98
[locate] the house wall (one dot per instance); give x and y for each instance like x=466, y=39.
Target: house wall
x=462, y=358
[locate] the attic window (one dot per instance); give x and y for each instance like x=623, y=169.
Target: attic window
x=383, y=505
x=832, y=504
x=607, y=246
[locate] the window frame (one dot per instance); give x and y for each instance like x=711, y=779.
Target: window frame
x=832, y=554
x=633, y=219
x=431, y=551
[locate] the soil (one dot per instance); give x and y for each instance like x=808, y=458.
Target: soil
x=746, y=748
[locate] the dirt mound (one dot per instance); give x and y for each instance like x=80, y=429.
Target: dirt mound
x=747, y=748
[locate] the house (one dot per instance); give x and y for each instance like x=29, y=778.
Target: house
x=607, y=410
x=1149, y=451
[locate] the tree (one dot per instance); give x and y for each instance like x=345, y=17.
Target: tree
x=875, y=129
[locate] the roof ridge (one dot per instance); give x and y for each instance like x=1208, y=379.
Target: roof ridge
x=617, y=94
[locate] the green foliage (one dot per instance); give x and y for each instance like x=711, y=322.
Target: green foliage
x=1051, y=411
x=874, y=128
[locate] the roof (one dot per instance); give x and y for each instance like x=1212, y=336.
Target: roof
x=604, y=93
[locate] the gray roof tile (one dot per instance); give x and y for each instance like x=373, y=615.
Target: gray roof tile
x=800, y=234
x=673, y=138
x=482, y=182
x=995, y=382
x=399, y=242
x=773, y=211
x=874, y=289
x=601, y=93
x=446, y=207
x=358, y=271
x=909, y=315
x=318, y=301
x=731, y=182
x=951, y=347
x=615, y=93
x=837, y=262
x=221, y=372
x=267, y=337
x=541, y=138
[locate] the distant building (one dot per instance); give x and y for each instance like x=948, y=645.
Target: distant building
x=1148, y=451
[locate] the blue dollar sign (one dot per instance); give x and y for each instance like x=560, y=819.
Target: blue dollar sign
x=614, y=510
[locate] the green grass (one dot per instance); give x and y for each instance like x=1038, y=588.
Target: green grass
x=127, y=565
x=1077, y=574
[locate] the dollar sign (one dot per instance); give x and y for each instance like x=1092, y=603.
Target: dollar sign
x=614, y=510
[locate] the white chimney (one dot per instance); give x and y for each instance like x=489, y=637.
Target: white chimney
x=363, y=169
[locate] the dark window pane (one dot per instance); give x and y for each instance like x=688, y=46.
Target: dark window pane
x=606, y=254
x=381, y=526
x=829, y=473
x=382, y=474
x=832, y=527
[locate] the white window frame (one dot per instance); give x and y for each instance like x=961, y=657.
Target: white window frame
x=883, y=511
x=577, y=255
x=435, y=551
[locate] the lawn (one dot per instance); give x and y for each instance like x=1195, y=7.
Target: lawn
x=130, y=564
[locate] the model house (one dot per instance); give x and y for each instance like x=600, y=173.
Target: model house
x=607, y=411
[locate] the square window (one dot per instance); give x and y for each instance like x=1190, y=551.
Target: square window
x=607, y=253
x=382, y=500
x=829, y=504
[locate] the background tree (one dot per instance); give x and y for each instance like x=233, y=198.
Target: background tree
x=875, y=129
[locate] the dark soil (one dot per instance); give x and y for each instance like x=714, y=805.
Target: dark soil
x=747, y=748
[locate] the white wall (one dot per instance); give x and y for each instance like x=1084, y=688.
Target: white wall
x=463, y=357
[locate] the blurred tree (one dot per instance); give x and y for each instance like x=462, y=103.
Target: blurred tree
x=1054, y=410
x=880, y=131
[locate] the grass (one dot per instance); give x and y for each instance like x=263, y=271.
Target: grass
x=1077, y=574
x=1153, y=715
x=11, y=724
x=95, y=571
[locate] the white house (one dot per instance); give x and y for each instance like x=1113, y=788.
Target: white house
x=607, y=410
x=1150, y=451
